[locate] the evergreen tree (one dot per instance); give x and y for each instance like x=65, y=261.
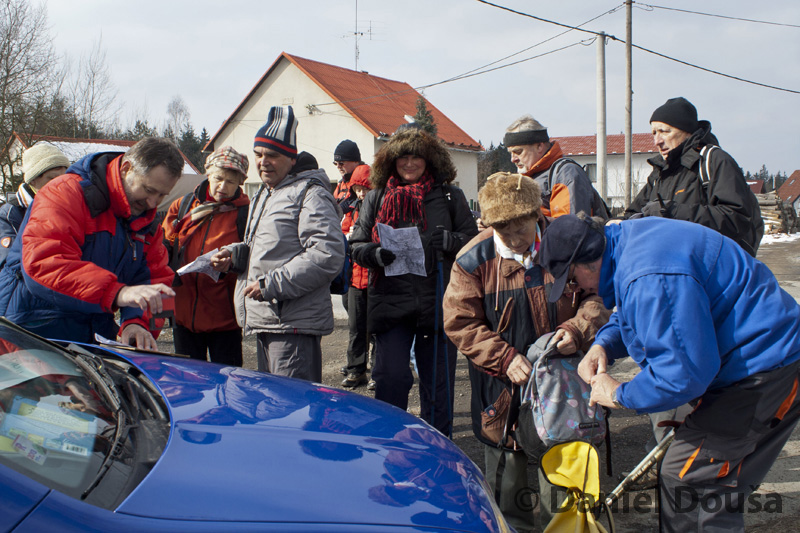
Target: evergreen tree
x=191, y=145
x=424, y=118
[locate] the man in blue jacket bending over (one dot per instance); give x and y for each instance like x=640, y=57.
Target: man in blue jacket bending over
x=707, y=324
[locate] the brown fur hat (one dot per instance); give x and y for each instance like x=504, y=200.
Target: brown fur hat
x=507, y=196
x=416, y=142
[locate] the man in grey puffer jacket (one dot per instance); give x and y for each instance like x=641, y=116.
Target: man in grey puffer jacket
x=292, y=250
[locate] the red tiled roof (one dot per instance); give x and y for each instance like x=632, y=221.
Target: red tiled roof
x=757, y=186
x=641, y=143
x=379, y=104
x=790, y=190
x=49, y=138
x=34, y=138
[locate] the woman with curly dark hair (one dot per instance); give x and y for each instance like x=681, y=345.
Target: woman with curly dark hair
x=412, y=187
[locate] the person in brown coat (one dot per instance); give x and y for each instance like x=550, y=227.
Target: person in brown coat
x=495, y=307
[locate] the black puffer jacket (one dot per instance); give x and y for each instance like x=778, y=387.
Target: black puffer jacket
x=726, y=204
x=409, y=298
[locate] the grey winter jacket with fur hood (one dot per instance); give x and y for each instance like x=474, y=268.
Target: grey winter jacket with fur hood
x=294, y=248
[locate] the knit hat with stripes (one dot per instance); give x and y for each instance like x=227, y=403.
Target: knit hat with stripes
x=278, y=133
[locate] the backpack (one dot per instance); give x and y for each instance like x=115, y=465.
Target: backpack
x=175, y=253
x=341, y=283
x=555, y=402
x=599, y=206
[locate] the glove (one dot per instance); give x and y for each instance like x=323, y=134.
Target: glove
x=384, y=257
x=373, y=256
x=444, y=240
x=655, y=209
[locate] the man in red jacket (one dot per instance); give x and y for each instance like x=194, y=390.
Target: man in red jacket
x=91, y=246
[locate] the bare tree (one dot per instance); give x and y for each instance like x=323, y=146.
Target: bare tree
x=28, y=63
x=178, y=117
x=92, y=93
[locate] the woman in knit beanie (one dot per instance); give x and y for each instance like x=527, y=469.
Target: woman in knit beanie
x=41, y=163
x=211, y=217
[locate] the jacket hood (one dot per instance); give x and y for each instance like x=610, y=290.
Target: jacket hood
x=417, y=142
x=273, y=444
x=688, y=152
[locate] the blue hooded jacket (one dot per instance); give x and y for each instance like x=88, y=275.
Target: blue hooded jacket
x=694, y=310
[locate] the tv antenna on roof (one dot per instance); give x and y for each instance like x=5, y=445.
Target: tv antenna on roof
x=359, y=34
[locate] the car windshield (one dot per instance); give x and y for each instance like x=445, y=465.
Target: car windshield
x=62, y=421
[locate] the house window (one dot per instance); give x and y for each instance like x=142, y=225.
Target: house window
x=251, y=189
x=591, y=171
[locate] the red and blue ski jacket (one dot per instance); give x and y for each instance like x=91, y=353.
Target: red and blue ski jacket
x=79, y=247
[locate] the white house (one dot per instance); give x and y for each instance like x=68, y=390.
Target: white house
x=75, y=149
x=332, y=104
x=583, y=150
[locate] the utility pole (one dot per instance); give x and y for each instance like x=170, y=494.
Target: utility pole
x=628, y=102
x=602, y=167
x=355, y=36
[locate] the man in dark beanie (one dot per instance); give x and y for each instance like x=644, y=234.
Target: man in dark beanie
x=690, y=314
x=292, y=250
x=346, y=157
x=695, y=180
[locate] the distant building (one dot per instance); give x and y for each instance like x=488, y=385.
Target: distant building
x=75, y=149
x=789, y=192
x=333, y=103
x=583, y=149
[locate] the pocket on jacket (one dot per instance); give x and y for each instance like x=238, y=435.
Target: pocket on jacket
x=494, y=417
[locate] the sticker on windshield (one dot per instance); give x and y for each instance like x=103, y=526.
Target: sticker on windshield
x=51, y=427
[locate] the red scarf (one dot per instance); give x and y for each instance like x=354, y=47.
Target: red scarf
x=403, y=203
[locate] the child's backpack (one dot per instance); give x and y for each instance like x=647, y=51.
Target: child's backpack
x=555, y=403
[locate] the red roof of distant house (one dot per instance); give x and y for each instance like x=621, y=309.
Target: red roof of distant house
x=790, y=191
x=757, y=186
x=29, y=140
x=641, y=143
x=379, y=104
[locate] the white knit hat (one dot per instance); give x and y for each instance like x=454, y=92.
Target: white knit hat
x=40, y=158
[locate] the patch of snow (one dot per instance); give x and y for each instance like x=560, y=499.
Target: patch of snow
x=779, y=237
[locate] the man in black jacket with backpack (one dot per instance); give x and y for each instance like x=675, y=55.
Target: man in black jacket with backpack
x=693, y=179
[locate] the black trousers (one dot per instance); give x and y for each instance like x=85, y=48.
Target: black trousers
x=224, y=347
x=394, y=380
x=358, y=346
x=724, y=449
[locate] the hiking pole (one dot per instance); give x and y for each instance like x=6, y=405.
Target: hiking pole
x=644, y=465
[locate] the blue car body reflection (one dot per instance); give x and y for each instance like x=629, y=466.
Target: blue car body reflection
x=251, y=451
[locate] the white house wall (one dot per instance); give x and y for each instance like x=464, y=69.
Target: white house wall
x=615, y=178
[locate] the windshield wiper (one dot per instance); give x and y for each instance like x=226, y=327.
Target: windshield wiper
x=93, y=365
x=117, y=445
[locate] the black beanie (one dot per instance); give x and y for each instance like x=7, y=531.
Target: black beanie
x=347, y=151
x=678, y=113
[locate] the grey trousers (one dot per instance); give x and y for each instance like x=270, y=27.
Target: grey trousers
x=289, y=354
x=724, y=450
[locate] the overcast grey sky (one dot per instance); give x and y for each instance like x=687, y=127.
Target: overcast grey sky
x=212, y=53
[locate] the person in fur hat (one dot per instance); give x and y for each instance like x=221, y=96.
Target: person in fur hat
x=494, y=308
x=205, y=321
x=41, y=163
x=412, y=178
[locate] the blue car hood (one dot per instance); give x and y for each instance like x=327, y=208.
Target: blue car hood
x=251, y=447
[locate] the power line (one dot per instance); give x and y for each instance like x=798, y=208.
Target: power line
x=719, y=16
x=611, y=37
x=480, y=70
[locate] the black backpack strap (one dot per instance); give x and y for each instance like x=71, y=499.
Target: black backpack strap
x=241, y=220
x=175, y=256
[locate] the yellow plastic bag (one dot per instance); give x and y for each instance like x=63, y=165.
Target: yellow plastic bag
x=574, y=466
